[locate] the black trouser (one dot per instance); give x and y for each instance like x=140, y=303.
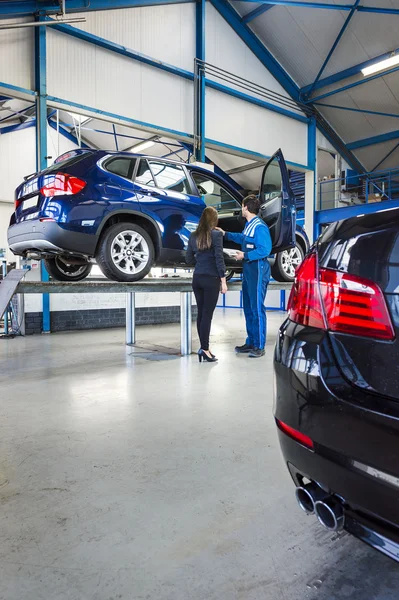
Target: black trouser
x=206, y=290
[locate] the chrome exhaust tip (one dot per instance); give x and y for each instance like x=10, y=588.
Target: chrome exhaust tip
x=330, y=514
x=307, y=496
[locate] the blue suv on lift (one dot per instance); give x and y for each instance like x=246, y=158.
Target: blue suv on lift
x=130, y=212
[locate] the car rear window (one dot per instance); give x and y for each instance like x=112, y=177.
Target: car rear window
x=68, y=162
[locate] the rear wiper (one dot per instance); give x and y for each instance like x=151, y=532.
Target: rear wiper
x=29, y=176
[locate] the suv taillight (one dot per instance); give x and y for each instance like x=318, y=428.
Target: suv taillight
x=62, y=185
x=328, y=299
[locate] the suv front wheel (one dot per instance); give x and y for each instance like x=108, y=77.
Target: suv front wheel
x=125, y=252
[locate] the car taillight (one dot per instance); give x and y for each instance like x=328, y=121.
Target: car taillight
x=340, y=302
x=63, y=185
x=295, y=434
x=304, y=305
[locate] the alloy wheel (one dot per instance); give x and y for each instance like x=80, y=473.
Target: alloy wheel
x=129, y=252
x=290, y=261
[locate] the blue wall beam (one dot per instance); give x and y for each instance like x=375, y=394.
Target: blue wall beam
x=29, y=7
x=200, y=55
x=113, y=117
x=334, y=46
x=346, y=73
x=41, y=137
x=338, y=214
x=256, y=13
x=119, y=49
x=353, y=85
x=360, y=110
x=386, y=156
x=371, y=141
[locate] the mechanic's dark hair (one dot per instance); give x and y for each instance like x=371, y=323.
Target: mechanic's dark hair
x=207, y=222
x=252, y=203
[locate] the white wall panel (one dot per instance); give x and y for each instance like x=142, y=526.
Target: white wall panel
x=16, y=52
x=17, y=151
x=241, y=124
x=113, y=83
x=6, y=210
x=163, y=32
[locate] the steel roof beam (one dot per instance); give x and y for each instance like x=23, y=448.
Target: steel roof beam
x=360, y=110
x=334, y=46
x=256, y=13
x=386, y=156
x=371, y=141
x=346, y=73
x=322, y=5
x=351, y=85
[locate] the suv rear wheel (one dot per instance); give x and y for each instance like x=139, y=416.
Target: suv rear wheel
x=61, y=270
x=125, y=252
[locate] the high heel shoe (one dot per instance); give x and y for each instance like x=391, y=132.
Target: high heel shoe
x=203, y=356
x=213, y=356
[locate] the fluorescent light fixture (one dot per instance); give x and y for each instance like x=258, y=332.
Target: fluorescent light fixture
x=142, y=146
x=382, y=65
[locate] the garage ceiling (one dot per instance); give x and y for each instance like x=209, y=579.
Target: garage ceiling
x=301, y=39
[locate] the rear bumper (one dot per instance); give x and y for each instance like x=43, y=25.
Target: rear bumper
x=49, y=238
x=365, y=500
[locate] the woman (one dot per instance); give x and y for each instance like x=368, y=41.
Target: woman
x=205, y=249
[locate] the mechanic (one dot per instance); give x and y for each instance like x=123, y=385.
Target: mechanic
x=256, y=245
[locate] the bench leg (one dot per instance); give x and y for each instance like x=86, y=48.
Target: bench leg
x=130, y=319
x=185, y=323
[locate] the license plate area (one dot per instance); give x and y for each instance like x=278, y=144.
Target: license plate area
x=30, y=203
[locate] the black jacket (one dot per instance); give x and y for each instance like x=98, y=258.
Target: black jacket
x=207, y=262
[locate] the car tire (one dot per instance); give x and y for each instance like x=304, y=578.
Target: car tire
x=58, y=268
x=229, y=274
x=286, y=263
x=119, y=259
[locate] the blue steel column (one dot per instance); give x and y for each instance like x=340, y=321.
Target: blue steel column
x=200, y=55
x=312, y=154
x=41, y=137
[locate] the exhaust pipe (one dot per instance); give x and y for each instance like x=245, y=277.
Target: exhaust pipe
x=307, y=496
x=330, y=513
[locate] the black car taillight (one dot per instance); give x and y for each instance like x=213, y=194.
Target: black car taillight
x=340, y=302
x=62, y=185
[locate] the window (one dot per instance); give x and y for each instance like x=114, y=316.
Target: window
x=214, y=194
x=144, y=175
x=170, y=177
x=272, y=182
x=119, y=166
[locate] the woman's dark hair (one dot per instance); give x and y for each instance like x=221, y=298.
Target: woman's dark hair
x=207, y=222
x=252, y=203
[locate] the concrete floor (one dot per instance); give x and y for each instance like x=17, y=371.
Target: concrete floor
x=125, y=477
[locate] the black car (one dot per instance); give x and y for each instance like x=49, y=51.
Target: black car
x=337, y=380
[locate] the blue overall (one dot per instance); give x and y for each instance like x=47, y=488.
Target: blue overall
x=256, y=244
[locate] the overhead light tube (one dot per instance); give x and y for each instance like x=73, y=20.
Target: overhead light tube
x=381, y=65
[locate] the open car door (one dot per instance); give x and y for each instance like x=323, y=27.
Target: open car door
x=278, y=203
